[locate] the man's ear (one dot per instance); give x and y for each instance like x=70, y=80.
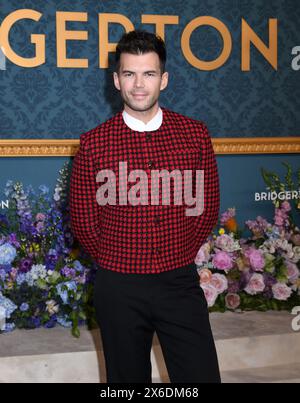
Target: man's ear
x=116, y=81
x=164, y=80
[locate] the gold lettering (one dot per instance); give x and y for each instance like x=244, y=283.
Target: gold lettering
x=186, y=49
x=104, y=46
x=64, y=35
x=249, y=36
x=37, y=39
x=160, y=21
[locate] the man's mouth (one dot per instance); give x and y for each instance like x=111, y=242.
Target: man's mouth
x=139, y=95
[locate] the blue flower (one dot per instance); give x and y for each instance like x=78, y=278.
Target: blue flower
x=21, y=278
x=70, y=285
x=7, y=254
x=44, y=189
x=8, y=305
x=63, y=321
x=24, y=307
x=9, y=327
x=78, y=266
x=2, y=274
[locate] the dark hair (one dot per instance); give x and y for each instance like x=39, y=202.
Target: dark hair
x=139, y=42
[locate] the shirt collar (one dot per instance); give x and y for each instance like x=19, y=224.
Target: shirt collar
x=139, y=125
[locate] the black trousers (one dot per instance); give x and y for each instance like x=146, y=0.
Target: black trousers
x=131, y=307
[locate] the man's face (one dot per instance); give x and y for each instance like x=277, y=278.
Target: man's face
x=140, y=81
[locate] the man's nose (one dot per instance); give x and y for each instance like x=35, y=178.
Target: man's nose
x=139, y=81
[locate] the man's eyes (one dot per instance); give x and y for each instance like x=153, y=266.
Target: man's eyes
x=145, y=74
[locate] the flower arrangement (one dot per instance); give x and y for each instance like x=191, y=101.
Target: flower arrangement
x=44, y=278
x=258, y=272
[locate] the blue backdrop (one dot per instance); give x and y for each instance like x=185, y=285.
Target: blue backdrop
x=52, y=102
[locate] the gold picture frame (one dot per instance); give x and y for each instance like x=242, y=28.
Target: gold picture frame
x=230, y=145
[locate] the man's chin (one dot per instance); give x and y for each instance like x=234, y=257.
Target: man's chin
x=140, y=108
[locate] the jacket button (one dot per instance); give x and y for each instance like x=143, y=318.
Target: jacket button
x=150, y=164
x=148, y=136
x=157, y=219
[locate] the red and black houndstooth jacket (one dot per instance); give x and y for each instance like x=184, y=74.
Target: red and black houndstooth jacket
x=144, y=237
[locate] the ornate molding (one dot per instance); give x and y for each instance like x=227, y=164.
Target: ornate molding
x=234, y=145
x=38, y=148
x=257, y=145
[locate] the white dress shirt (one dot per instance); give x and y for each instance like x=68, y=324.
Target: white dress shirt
x=139, y=126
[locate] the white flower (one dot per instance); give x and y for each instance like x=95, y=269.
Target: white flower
x=227, y=243
x=37, y=271
x=52, y=307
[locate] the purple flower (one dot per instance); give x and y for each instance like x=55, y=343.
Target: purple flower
x=269, y=280
x=68, y=272
x=230, y=213
x=245, y=278
x=35, y=321
x=25, y=265
x=268, y=293
x=51, y=259
x=12, y=239
x=258, y=227
x=256, y=259
x=6, y=267
x=51, y=322
x=222, y=261
x=233, y=287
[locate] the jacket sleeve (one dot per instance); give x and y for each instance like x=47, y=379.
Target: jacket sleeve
x=205, y=222
x=84, y=209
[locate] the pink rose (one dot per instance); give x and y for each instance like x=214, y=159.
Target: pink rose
x=281, y=291
x=210, y=293
x=293, y=271
x=222, y=261
x=256, y=284
x=203, y=254
x=286, y=206
x=219, y=281
x=232, y=301
x=256, y=259
x=205, y=276
x=279, y=221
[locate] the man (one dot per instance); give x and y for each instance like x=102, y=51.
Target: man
x=144, y=242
